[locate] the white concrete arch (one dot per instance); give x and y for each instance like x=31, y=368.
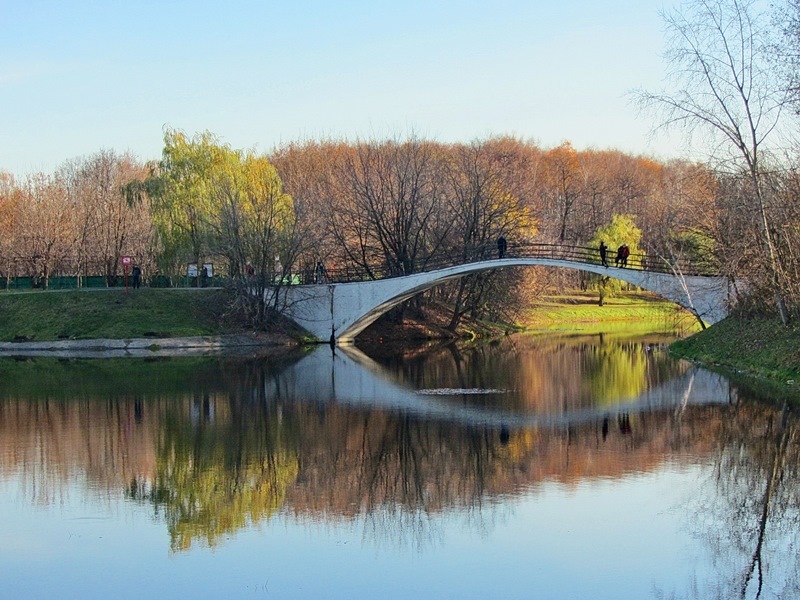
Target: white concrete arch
x=343, y=310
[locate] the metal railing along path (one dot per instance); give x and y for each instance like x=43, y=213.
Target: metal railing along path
x=575, y=254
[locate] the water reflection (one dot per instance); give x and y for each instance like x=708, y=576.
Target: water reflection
x=214, y=447
x=751, y=513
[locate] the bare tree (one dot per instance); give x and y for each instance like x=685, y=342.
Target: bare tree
x=106, y=225
x=392, y=190
x=562, y=190
x=480, y=207
x=724, y=86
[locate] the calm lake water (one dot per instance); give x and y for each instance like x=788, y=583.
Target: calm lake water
x=538, y=467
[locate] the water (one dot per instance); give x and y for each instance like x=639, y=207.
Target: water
x=553, y=467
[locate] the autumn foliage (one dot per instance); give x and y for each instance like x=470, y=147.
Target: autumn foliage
x=379, y=206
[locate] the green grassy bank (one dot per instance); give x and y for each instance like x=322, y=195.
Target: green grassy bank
x=152, y=312
x=84, y=314
x=629, y=312
x=757, y=347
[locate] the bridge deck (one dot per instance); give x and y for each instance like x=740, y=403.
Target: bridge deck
x=562, y=252
x=341, y=310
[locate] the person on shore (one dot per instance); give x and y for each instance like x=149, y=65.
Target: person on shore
x=248, y=268
x=501, y=247
x=604, y=254
x=136, y=273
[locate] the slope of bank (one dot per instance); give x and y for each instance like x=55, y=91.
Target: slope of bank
x=628, y=311
x=151, y=315
x=575, y=312
x=111, y=313
x=756, y=347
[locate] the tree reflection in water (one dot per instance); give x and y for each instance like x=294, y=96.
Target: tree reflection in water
x=212, y=480
x=253, y=440
x=749, y=511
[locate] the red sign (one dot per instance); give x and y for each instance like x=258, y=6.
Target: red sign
x=126, y=260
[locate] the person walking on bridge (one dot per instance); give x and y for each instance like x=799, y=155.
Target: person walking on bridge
x=604, y=254
x=501, y=246
x=320, y=275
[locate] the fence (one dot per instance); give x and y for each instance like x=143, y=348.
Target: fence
x=577, y=254
x=352, y=273
x=62, y=282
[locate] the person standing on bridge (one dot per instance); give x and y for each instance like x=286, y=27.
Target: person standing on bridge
x=604, y=254
x=320, y=275
x=625, y=254
x=618, y=257
x=501, y=246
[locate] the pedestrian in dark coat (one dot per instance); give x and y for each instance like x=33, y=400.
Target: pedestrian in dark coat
x=501, y=247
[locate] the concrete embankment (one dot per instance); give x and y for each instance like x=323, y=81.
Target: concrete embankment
x=143, y=347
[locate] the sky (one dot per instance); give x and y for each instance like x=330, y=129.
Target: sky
x=77, y=77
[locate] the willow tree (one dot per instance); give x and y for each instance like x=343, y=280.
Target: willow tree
x=182, y=199
x=254, y=224
x=210, y=200
x=621, y=230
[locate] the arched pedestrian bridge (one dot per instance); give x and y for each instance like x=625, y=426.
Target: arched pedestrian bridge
x=343, y=307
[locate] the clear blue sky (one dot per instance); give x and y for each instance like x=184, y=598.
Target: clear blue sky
x=79, y=76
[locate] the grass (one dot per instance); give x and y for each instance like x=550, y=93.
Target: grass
x=629, y=312
x=760, y=347
x=83, y=314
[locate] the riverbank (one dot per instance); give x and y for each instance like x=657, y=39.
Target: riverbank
x=113, y=314
x=149, y=347
x=112, y=323
x=160, y=319
x=576, y=312
x=756, y=348
x=629, y=311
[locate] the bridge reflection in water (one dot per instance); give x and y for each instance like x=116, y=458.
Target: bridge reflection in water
x=348, y=376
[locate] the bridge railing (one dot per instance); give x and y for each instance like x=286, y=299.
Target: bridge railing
x=576, y=254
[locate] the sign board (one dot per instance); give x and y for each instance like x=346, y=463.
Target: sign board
x=127, y=260
x=191, y=271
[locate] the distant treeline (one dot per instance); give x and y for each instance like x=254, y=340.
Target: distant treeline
x=385, y=206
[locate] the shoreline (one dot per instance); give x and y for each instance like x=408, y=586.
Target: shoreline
x=147, y=347
x=758, y=351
